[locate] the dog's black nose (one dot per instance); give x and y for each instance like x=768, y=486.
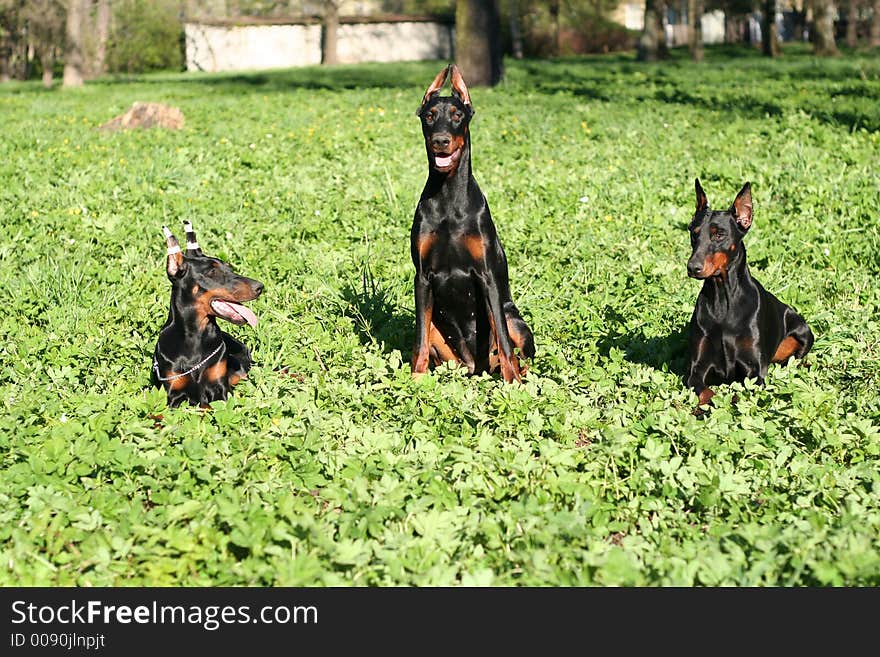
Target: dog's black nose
x=440, y=141
x=258, y=288
x=694, y=268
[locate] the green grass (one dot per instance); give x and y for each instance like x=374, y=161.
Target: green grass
x=592, y=472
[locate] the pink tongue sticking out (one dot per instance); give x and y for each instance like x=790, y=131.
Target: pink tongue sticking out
x=229, y=310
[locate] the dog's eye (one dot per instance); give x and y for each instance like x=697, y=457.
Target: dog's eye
x=429, y=118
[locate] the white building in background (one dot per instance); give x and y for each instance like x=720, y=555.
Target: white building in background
x=632, y=16
x=249, y=44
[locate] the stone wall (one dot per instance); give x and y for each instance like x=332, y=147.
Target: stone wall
x=253, y=44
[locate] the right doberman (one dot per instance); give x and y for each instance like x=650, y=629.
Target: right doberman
x=464, y=309
x=738, y=328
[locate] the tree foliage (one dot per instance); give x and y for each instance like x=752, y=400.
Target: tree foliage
x=146, y=35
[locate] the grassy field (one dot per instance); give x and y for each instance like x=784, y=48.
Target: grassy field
x=592, y=472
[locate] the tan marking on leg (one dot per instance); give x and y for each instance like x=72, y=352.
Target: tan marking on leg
x=509, y=365
x=706, y=396
x=785, y=349
x=518, y=340
x=441, y=348
x=419, y=363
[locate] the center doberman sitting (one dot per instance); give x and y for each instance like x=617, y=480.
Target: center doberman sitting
x=464, y=310
x=194, y=359
x=738, y=328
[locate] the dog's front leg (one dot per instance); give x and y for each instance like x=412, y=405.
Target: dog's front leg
x=507, y=359
x=424, y=312
x=701, y=363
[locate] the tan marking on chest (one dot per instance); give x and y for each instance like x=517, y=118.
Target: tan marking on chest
x=745, y=342
x=424, y=244
x=475, y=246
x=179, y=383
x=216, y=372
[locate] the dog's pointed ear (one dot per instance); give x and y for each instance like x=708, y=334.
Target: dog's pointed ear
x=175, y=265
x=192, y=244
x=459, y=88
x=702, y=201
x=742, y=207
x=435, y=88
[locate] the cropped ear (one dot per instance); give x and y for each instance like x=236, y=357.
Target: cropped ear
x=459, y=89
x=702, y=202
x=435, y=88
x=192, y=244
x=175, y=265
x=742, y=207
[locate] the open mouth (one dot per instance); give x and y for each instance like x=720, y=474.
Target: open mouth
x=233, y=312
x=446, y=162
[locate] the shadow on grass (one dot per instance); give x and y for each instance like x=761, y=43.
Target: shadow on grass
x=402, y=75
x=667, y=353
x=826, y=89
x=376, y=320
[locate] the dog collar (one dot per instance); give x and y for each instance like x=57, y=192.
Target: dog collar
x=191, y=369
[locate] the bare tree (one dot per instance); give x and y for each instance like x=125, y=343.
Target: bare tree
x=554, y=15
x=12, y=41
x=769, y=31
x=823, y=29
x=478, y=42
x=515, y=34
x=329, y=32
x=652, y=42
x=695, y=25
x=102, y=32
x=73, y=50
x=852, y=22
x=874, y=34
x=45, y=32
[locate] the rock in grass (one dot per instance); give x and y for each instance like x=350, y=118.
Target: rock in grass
x=146, y=115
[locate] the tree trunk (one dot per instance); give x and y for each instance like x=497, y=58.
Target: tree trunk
x=477, y=42
x=769, y=31
x=554, y=15
x=516, y=41
x=102, y=29
x=823, y=29
x=874, y=34
x=46, y=56
x=5, y=60
x=73, y=52
x=852, y=23
x=331, y=28
x=652, y=43
x=695, y=33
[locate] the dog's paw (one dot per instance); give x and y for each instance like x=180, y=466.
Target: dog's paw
x=701, y=413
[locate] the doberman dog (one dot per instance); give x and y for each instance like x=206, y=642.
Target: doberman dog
x=464, y=310
x=194, y=359
x=738, y=328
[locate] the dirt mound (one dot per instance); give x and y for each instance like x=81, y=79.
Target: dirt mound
x=147, y=115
